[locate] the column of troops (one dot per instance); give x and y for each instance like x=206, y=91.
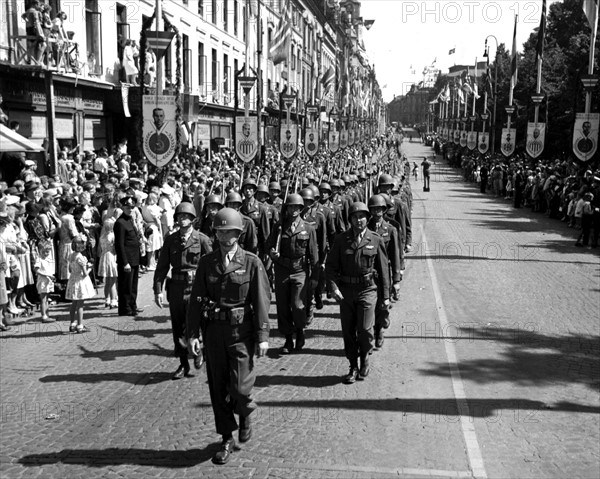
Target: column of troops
x=344, y=238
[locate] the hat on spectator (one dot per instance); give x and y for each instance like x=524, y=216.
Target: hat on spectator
x=30, y=163
x=18, y=184
x=31, y=186
x=141, y=196
x=51, y=192
x=10, y=199
x=128, y=201
x=167, y=190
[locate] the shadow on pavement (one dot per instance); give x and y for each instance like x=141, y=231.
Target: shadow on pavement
x=112, y=355
x=144, y=378
x=531, y=359
x=295, y=380
x=134, y=329
x=117, y=456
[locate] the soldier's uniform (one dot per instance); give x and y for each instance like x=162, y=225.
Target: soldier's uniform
x=297, y=261
x=182, y=256
x=359, y=270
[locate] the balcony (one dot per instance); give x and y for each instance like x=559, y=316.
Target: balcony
x=60, y=56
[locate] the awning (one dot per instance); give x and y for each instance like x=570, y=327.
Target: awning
x=11, y=141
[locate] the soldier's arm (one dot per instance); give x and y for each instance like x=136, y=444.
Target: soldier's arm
x=162, y=266
x=194, y=312
x=381, y=266
x=251, y=239
x=332, y=272
x=313, y=249
x=260, y=292
x=395, y=255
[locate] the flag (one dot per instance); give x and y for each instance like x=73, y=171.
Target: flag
x=279, y=48
x=475, y=87
x=328, y=79
x=488, y=80
x=459, y=91
x=541, y=33
x=452, y=51
x=514, y=59
x=467, y=88
x=590, y=7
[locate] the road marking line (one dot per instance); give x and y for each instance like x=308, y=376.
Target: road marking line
x=468, y=427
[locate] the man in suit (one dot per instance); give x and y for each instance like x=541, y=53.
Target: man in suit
x=127, y=247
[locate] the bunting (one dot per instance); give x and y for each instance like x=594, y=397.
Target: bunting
x=280, y=44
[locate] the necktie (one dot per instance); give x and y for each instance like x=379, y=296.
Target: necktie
x=226, y=261
x=293, y=227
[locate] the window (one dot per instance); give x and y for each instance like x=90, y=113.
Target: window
x=225, y=73
x=122, y=29
x=187, y=58
x=168, y=63
x=201, y=69
x=225, y=15
x=293, y=59
x=213, y=13
x=235, y=18
x=201, y=8
x=244, y=32
x=93, y=35
x=214, y=71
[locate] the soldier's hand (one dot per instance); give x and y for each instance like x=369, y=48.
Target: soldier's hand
x=194, y=347
x=337, y=295
x=158, y=299
x=261, y=349
x=273, y=254
x=386, y=304
x=396, y=287
x=127, y=268
x=199, y=359
x=401, y=274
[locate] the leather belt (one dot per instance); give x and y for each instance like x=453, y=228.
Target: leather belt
x=298, y=263
x=229, y=314
x=365, y=279
x=184, y=276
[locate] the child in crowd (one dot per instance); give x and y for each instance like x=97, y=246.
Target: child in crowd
x=79, y=285
x=107, y=268
x=571, y=210
x=587, y=215
x=578, y=211
x=45, y=268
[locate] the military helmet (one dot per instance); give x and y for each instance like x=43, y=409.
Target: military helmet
x=304, y=181
x=325, y=186
x=294, y=199
x=228, y=219
x=342, y=183
x=385, y=179
x=250, y=181
x=315, y=190
x=363, y=175
x=346, y=179
x=213, y=200
x=263, y=189
x=307, y=194
x=233, y=197
x=388, y=199
x=186, y=208
x=335, y=182
x=275, y=186
x=358, y=207
x=377, y=201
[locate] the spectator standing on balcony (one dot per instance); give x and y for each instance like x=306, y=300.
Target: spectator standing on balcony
x=131, y=70
x=36, y=41
x=60, y=35
x=150, y=73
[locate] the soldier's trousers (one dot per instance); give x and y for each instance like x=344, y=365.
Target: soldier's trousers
x=291, y=295
x=179, y=298
x=382, y=317
x=127, y=288
x=230, y=371
x=357, y=310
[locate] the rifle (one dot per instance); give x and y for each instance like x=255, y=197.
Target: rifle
x=278, y=242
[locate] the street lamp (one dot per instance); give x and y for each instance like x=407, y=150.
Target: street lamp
x=493, y=122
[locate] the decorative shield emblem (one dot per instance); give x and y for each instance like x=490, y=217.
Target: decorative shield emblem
x=334, y=141
x=536, y=136
x=456, y=137
x=311, y=141
x=288, y=140
x=483, y=145
x=343, y=138
x=351, y=137
x=509, y=141
x=246, y=134
x=159, y=129
x=472, y=140
x=463, y=138
x=585, y=135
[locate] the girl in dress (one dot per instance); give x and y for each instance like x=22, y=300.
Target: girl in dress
x=108, y=263
x=45, y=268
x=79, y=285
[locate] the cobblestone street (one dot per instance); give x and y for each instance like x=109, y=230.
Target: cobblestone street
x=491, y=368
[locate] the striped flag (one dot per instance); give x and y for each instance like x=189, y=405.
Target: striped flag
x=328, y=79
x=590, y=7
x=475, y=87
x=279, y=48
x=513, y=63
x=488, y=80
x=541, y=33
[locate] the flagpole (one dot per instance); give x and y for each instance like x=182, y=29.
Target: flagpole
x=259, y=82
x=159, y=61
x=588, y=93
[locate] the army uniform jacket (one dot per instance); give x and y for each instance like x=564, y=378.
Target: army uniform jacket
x=243, y=284
x=181, y=257
x=317, y=220
x=389, y=234
x=248, y=239
x=350, y=260
x=298, y=249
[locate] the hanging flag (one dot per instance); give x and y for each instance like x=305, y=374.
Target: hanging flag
x=590, y=7
x=475, y=87
x=513, y=62
x=452, y=51
x=488, y=80
x=459, y=91
x=278, y=51
x=159, y=41
x=541, y=33
x=467, y=88
x=536, y=134
x=328, y=79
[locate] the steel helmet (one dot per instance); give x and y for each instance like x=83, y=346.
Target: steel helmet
x=358, y=207
x=305, y=181
x=363, y=175
x=342, y=183
x=275, y=186
x=388, y=199
x=233, y=197
x=294, y=199
x=228, y=219
x=335, y=182
x=346, y=179
x=186, y=208
x=315, y=190
x=249, y=182
x=213, y=200
x=325, y=187
x=307, y=194
x=377, y=201
x=385, y=179
x=263, y=189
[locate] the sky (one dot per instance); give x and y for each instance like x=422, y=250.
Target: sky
x=409, y=33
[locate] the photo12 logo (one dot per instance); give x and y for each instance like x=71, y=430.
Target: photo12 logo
x=471, y=12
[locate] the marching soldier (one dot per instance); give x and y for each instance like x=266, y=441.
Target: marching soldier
x=212, y=205
x=181, y=252
x=228, y=316
x=293, y=248
x=275, y=192
x=339, y=200
x=389, y=235
x=357, y=271
x=248, y=239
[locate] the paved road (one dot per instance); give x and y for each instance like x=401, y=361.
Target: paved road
x=491, y=368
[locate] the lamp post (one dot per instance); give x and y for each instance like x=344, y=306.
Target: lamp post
x=493, y=120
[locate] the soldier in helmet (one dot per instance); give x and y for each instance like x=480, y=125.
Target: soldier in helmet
x=228, y=317
x=293, y=249
x=341, y=201
x=212, y=205
x=275, y=192
x=389, y=234
x=181, y=253
x=357, y=271
x=248, y=239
